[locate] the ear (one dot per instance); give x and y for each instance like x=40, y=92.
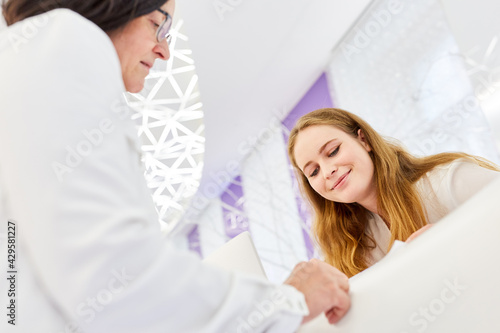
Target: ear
x=362, y=140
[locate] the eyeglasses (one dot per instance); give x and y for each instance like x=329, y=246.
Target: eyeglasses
x=163, y=32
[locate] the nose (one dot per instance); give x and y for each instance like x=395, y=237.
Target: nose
x=328, y=170
x=161, y=50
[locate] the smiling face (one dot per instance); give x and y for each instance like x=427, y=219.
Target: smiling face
x=138, y=48
x=337, y=165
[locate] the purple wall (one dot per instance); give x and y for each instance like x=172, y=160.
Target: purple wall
x=235, y=219
x=316, y=98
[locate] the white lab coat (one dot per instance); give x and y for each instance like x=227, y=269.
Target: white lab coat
x=89, y=253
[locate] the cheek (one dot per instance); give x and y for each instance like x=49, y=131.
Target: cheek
x=368, y=169
x=132, y=59
x=317, y=185
x=125, y=55
x=136, y=48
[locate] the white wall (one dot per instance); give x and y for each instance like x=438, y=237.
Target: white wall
x=2, y=21
x=401, y=70
x=476, y=28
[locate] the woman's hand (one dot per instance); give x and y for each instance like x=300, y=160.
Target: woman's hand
x=418, y=232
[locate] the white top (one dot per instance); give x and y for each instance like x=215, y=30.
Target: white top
x=89, y=253
x=446, y=280
x=442, y=190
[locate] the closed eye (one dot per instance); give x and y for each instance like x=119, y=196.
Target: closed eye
x=155, y=24
x=334, y=152
x=316, y=170
x=314, y=173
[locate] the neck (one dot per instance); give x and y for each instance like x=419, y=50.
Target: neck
x=372, y=207
x=370, y=202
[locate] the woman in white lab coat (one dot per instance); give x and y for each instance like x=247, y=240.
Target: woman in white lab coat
x=89, y=255
x=367, y=192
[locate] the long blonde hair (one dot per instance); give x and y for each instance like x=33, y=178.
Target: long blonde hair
x=340, y=228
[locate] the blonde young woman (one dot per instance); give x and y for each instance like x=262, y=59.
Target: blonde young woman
x=367, y=191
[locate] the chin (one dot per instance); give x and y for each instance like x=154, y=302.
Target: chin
x=134, y=86
x=135, y=89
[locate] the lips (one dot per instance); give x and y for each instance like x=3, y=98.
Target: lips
x=147, y=64
x=341, y=178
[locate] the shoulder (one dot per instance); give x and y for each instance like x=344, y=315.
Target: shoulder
x=440, y=172
x=60, y=71
x=68, y=22
x=456, y=182
x=456, y=171
x=56, y=40
x=59, y=59
x=434, y=179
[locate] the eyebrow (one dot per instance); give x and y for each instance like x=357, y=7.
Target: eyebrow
x=164, y=12
x=320, y=150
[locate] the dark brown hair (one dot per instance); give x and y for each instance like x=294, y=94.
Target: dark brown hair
x=109, y=15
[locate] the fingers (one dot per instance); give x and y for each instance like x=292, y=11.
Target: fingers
x=343, y=303
x=325, y=289
x=343, y=282
x=418, y=232
x=299, y=275
x=340, y=278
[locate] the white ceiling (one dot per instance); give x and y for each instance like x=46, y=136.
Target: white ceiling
x=255, y=60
